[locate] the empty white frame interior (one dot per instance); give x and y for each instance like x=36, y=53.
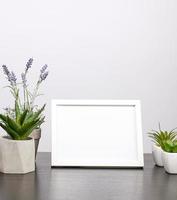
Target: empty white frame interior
x=99, y=133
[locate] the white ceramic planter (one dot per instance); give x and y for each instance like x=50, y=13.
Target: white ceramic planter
x=36, y=135
x=157, y=155
x=170, y=162
x=17, y=156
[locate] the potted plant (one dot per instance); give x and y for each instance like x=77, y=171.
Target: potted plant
x=27, y=101
x=169, y=156
x=17, y=152
x=158, y=137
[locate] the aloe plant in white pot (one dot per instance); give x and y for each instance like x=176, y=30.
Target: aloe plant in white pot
x=158, y=137
x=27, y=101
x=17, y=152
x=169, y=155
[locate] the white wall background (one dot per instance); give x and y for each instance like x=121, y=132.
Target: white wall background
x=108, y=49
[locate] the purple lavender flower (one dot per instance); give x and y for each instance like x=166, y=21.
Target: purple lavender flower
x=5, y=69
x=43, y=76
x=24, y=81
x=43, y=69
x=12, y=79
x=29, y=64
x=10, y=76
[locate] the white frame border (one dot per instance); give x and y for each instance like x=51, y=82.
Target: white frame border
x=136, y=103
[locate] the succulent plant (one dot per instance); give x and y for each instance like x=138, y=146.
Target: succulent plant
x=158, y=137
x=20, y=127
x=169, y=146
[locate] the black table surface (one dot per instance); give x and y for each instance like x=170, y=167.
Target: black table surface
x=150, y=183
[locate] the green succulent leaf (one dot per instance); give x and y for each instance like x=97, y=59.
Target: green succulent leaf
x=10, y=131
x=3, y=118
x=174, y=150
x=22, y=117
x=31, y=128
x=13, y=125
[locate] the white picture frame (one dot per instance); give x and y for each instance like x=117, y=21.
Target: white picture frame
x=96, y=133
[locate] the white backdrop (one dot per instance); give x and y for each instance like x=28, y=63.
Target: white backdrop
x=97, y=49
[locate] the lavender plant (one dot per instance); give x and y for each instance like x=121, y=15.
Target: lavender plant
x=11, y=77
x=29, y=97
x=25, y=108
x=43, y=75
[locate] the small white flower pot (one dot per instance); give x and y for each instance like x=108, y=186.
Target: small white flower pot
x=17, y=156
x=170, y=162
x=157, y=155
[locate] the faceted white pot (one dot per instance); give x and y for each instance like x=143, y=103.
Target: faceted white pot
x=157, y=155
x=17, y=156
x=170, y=162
